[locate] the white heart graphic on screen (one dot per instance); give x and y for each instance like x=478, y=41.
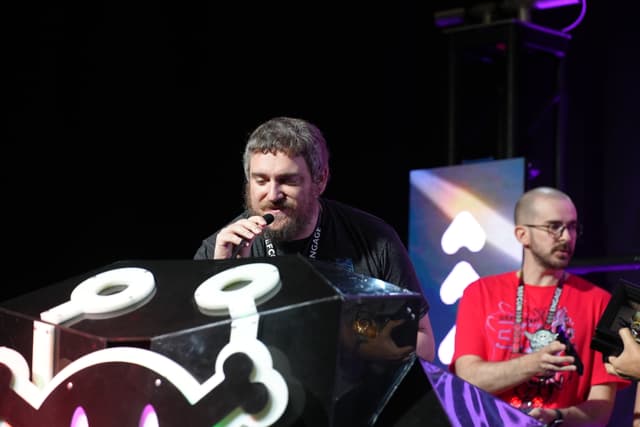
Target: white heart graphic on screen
x=464, y=230
x=456, y=282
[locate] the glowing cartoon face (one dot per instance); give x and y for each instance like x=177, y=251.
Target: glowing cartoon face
x=131, y=386
x=128, y=394
x=193, y=349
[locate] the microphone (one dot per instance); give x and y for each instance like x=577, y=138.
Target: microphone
x=267, y=217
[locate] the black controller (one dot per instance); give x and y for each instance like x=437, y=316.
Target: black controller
x=570, y=350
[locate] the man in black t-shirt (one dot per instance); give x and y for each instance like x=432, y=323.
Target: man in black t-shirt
x=286, y=163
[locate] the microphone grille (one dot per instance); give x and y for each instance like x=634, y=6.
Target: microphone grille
x=268, y=217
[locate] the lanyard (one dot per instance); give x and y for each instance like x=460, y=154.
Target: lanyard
x=517, y=330
x=312, y=248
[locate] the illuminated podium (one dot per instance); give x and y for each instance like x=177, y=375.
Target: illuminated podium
x=255, y=342
x=454, y=402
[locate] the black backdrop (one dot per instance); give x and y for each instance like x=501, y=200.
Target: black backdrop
x=126, y=123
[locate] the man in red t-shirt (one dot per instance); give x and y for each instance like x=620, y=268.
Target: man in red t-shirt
x=525, y=336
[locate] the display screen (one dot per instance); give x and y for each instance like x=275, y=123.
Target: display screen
x=460, y=228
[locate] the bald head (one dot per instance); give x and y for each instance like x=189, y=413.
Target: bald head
x=526, y=210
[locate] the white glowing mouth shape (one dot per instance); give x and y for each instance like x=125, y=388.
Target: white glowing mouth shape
x=192, y=390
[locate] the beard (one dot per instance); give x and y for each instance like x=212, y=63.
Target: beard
x=549, y=260
x=290, y=222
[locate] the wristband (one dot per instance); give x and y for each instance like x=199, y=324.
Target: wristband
x=559, y=418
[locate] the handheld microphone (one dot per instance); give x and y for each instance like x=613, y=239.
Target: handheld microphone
x=268, y=218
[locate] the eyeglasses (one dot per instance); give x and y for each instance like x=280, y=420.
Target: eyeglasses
x=556, y=228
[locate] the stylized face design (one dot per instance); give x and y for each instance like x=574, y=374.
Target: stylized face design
x=80, y=381
x=130, y=394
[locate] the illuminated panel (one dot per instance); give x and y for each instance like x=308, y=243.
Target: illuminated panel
x=461, y=228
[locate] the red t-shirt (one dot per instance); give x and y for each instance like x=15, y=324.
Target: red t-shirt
x=485, y=327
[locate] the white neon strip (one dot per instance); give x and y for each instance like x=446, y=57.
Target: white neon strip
x=44, y=336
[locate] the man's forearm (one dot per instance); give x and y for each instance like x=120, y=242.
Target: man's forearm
x=425, y=342
x=494, y=377
x=595, y=411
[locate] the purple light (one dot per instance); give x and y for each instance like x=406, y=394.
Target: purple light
x=550, y=4
x=79, y=418
x=149, y=418
x=603, y=268
x=534, y=173
x=583, y=11
x=448, y=21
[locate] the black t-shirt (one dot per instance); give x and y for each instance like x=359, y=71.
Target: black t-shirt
x=354, y=239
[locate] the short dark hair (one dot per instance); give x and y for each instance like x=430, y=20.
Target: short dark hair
x=294, y=137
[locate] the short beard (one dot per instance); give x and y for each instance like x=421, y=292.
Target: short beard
x=289, y=230
x=549, y=263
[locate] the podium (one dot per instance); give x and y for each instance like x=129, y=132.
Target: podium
x=255, y=342
x=442, y=399
x=462, y=404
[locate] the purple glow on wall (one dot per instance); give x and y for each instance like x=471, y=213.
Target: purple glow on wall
x=448, y=21
x=603, y=268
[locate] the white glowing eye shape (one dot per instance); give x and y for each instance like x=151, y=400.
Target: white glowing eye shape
x=149, y=418
x=456, y=282
x=79, y=418
x=218, y=293
x=464, y=230
x=113, y=290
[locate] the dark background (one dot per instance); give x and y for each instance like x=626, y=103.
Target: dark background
x=126, y=122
